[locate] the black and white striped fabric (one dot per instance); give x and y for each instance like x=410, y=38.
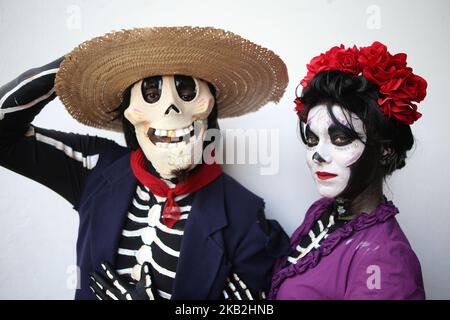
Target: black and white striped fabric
x=58, y=160
x=145, y=238
x=62, y=161
x=321, y=229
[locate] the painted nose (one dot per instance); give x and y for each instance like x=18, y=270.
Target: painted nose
x=322, y=154
x=172, y=108
x=317, y=158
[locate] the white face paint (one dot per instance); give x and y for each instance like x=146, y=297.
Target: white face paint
x=170, y=114
x=330, y=152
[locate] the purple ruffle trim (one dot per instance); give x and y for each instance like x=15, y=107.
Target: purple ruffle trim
x=382, y=213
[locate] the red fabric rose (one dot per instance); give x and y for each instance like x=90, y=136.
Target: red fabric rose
x=337, y=58
x=317, y=64
x=404, y=111
x=410, y=87
x=345, y=60
x=299, y=106
x=398, y=85
x=385, y=71
x=393, y=84
x=400, y=91
x=374, y=55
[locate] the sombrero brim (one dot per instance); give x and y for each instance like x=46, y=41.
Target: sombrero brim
x=93, y=77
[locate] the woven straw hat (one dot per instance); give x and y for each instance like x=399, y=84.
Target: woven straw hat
x=93, y=77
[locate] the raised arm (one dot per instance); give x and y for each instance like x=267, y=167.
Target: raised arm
x=58, y=160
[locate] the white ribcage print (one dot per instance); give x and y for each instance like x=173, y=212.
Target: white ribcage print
x=147, y=235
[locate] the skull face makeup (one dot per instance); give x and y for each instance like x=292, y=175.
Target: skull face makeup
x=170, y=114
x=332, y=149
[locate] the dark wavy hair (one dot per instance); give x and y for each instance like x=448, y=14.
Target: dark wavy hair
x=388, y=140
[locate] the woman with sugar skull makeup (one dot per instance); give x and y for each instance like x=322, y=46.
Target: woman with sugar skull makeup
x=355, y=113
x=159, y=218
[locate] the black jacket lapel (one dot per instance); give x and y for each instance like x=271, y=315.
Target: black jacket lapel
x=109, y=208
x=202, y=248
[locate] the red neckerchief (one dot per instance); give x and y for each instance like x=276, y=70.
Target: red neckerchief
x=200, y=177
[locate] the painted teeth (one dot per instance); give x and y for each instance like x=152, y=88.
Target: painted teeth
x=174, y=133
x=171, y=145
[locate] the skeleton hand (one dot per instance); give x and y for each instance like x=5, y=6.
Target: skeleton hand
x=236, y=289
x=112, y=288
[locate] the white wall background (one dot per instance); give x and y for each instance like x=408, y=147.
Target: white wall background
x=38, y=228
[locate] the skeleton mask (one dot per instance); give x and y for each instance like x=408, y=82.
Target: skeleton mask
x=170, y=114
x=332, y=149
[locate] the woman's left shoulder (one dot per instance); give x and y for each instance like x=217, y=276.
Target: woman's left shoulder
x=385, y=266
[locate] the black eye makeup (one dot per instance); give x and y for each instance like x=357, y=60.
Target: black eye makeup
x=186, y=87
x=151, y=89
x=310, y=138
x=341, y=135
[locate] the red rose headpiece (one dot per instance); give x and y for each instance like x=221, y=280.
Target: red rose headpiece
x=399, y=87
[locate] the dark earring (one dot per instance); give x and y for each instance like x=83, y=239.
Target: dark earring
x=387, y=157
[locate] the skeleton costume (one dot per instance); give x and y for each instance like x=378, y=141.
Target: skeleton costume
x=335, y=253
x=146, y=233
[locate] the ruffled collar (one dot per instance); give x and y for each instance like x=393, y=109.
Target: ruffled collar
x=383, y=212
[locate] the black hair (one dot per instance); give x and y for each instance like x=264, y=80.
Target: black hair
x=388, y=140
x=128, y=128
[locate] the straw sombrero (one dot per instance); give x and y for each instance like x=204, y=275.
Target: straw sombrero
x=93, y=77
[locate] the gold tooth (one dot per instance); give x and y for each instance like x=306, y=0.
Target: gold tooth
x=171, y=133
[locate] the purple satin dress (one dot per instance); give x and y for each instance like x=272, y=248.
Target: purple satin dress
x=367, y=258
